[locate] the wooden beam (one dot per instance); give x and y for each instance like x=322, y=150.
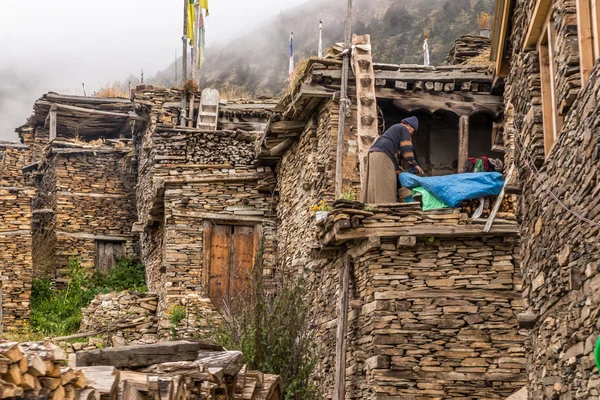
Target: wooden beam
x=342, y=330
x=282, y=147
x=185, y=179
x=92, y=111
x=145, y=355
x=91, y=236
x=85, y=99
x=286, y=126
x=435, y=75
x=463, y=142
x=499, y=200
x=465, y=103
x=424, y=230
x=52, y=116
x=537, y=24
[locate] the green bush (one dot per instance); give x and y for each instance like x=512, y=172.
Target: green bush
x=273, y=332
x=58, y=312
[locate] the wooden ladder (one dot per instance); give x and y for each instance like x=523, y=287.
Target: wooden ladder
x=208, y=113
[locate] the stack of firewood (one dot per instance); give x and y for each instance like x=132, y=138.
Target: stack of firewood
x=33, y=370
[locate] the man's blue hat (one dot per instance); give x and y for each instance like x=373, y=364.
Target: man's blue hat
x=412, y=121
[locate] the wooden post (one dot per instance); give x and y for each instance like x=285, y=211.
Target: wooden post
x=339, y=176
x=342, y=329
x=190, y=123
x=52, y=123
x=196, y=43
x=463, y=142
x=185, y=40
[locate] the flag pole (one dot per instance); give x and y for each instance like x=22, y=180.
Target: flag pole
x=291, y=69
x=320, y=51
x=185, y=40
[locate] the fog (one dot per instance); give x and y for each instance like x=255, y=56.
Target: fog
x=58, y=45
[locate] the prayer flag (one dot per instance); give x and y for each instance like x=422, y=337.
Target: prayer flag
x=204, y=4
x=426, y=50
x=191, y=16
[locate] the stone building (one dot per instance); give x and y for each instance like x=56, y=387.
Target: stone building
x=546, y=52
x=432, y=299
x=82, y=167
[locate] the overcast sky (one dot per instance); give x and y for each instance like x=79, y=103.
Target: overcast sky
x=58, y=44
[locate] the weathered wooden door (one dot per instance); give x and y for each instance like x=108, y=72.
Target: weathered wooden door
x=229, y=256
x=106, y=253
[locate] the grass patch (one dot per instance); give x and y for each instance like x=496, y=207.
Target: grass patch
x=58, y=312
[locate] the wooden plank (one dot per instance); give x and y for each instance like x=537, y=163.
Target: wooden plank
x=92, y=111
x=499, y=200
x=465, y=103
x=144, y=355
x=595, y=16
x=243, y=259
x=104, y=379
x=219, y=264
x=52, y=123
x=81, y=235
x=86, y=99
x=537, y=25
x=463, y=142
x=546, y=83
x=342, y=329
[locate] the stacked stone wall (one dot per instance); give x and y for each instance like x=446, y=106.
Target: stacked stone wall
x=306, y=175
x=434, y=321
x=16, y=268
x=95, y=200
x=560, y=255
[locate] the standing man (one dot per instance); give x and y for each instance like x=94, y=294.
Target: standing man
x=383, y=165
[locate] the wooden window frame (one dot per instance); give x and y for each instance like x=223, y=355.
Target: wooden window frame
x=206, y=245
x=552, y=119
x=588, y=23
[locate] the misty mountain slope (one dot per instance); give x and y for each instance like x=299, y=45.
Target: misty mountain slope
x=257, y=62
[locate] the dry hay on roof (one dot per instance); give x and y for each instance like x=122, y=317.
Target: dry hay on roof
x=480, y=60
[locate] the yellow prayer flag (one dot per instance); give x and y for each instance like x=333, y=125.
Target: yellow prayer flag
x=191, y=16
x=204, y=4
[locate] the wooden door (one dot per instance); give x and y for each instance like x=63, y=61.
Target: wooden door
x=229, y=257
x=220, y=250
x=107, y=253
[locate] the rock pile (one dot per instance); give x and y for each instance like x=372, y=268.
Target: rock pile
x=131, y=314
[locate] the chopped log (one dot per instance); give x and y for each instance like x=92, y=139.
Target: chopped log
x=35, y=365
x=146, y=355
x=230, y=361
x=50, y=383
x=46, y=350
x=11, y=351
x=355, y=222
x=69, y=392
x=57, y=394
x=105, y=380
x=13, y=375
x=23, y=365
x=87, y=394
x=28, y=382
x=9, y=390
x=67, y=376
x=79, y=381
x=55, y=371
x=37, y=394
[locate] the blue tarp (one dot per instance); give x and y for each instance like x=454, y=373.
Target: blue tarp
x=454, y=189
